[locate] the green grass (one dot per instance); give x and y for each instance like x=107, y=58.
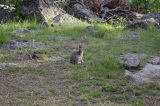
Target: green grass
x=101, y=77
x=3, y=37
x=34, y=72
x=52, y=89
x=8, y=58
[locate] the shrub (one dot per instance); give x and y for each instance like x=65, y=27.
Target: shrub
x=146, y=6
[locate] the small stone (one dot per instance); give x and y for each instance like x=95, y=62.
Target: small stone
x=6, y=65
x=131, y=36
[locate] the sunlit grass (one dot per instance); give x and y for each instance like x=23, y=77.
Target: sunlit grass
x=101, y=77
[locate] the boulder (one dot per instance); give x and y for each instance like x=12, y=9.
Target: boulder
x=40, y=9
x=44, y=11
x=131, y=60
x=150, y=73
x=82, y=12
x=144, y=24
x=145, y=21
x=155, y=16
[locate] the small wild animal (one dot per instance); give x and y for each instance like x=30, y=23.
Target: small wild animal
x=77, y=56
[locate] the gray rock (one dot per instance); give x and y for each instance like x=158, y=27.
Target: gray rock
x=131, y=36
x=137, y=24
x=21, y=31
x=144, y=21
x=149, y=73
x=131, y=60
x=45, y=10
x=42, y=10
x=155, y=16
x=6, y=65
x=82, y=12
x=24, y=44
x=155, y=60
x=91, y=29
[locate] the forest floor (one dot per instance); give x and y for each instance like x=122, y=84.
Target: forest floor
x=51, y=80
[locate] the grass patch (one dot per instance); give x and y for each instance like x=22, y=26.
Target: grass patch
x=137, y=102
x=3, y=37
x=52, y=89
x=8, y=58
x=118, y=98
x=91, y=95
x=100, y=78
x=34, y=74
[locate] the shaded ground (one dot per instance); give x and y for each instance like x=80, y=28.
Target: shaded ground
x=99, y=81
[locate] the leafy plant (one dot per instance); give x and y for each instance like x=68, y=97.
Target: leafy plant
x=147, y=6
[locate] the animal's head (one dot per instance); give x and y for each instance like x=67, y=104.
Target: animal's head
x=80, y=50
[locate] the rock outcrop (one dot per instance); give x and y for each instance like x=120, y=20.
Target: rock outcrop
x=40, y=9
x=149, y=73
x=132, y=35
x=155, y=60
x=145, y=21
x=13, y=44
x=83, y=12
x=131, y=60
x=44, y=11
